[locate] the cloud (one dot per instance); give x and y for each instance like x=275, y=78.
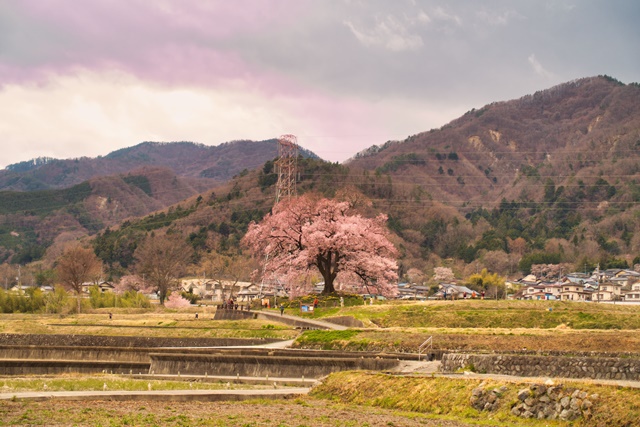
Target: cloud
x=497, y=18
x=389, y=33
x=93, y=113
x=442, y=15
x=88, y=77
x=538, y=68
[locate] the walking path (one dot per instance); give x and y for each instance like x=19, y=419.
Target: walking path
x=410, y=367
x=310, y=323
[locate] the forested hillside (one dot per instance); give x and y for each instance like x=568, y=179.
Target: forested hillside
x=552, y=177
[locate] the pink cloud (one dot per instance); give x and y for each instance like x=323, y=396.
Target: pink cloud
x=188, y=41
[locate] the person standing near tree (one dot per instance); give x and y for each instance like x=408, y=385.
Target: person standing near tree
x=315, y=303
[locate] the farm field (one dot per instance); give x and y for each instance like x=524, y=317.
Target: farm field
x=151, y=323
x=356, y=399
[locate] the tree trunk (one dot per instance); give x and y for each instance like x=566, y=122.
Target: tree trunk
x=327, y=266
x=328, y=287
x=78, y=296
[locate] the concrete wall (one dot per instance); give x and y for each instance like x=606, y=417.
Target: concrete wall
x=262, y=366
x=545, y=366
x=44, y=340
x=113, y=354
x=43, y=367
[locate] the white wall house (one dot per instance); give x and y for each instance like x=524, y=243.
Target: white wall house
x=634, y=294
x=609, y=291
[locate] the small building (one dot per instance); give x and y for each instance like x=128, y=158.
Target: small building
x=610, y=291
x=102, y=284
x=453, y=291
x=575, y=292
x=634, y=294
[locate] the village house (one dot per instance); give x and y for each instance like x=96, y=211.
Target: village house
x=552, y=291
x=634, y=294
x=103, y=285
x=627, y=277
x=533, y=292
x=609, y=291
x=220, y=290
x=413, y=291
x=575, y=292
x=452, y=291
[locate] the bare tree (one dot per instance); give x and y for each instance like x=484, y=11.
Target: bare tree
x=76, y=266
x=227, y=268
x=161, y=259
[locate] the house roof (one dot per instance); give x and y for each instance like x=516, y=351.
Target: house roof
x=456, y=288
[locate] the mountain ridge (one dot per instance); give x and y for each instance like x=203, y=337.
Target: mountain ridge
x=211, y=164
x=553, y=173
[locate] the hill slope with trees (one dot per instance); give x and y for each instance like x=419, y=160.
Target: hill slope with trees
x=552, y=177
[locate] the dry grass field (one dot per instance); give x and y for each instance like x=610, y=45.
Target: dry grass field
x=307, y=412
x=352, y=399
x=151, y=323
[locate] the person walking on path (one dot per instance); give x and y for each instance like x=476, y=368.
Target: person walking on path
x=281, y=309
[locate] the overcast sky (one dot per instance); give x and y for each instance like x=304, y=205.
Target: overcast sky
x=84, y=78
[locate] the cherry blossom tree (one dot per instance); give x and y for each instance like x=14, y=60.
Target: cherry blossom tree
x=308, y=233
x=443, y=274
x=175, y=300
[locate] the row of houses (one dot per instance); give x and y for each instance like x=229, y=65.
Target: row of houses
x=222, y=290
x=601, y=286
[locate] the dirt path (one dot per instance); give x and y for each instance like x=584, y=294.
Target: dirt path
x=408, y=367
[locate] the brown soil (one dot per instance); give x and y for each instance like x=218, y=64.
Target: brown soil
x=301, y=412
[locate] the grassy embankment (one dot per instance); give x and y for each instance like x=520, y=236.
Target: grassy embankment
x=449, y=398
x=483, y=326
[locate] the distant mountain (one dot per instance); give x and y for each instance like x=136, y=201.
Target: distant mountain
x=30, y=222
x=583, y=130
x=551, y=177
x=67, y=199
x=209, y=164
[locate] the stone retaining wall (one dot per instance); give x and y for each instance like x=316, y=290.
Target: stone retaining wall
x=538, y=401
x=261, y=366
x=610, y=368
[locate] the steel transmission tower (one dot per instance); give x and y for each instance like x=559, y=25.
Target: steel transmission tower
x=287, y=167
x=287, y=170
